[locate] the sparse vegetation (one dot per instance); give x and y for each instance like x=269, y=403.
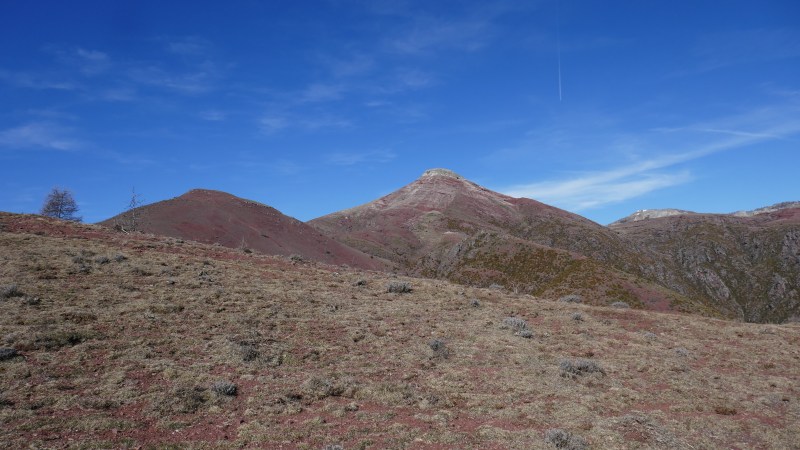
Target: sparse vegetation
x=519, y=326
x=562, y=439
x=571, y=368
x=620, y=305
x=399, y=287
x=125, y=358
x=8, y=353
x=10, y=291
x=225, y=388
x=571, y=298
x=440, y=349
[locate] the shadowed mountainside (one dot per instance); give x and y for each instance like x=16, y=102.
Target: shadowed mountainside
x=217, y=217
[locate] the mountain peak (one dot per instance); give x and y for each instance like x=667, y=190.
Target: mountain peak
x=443, y=173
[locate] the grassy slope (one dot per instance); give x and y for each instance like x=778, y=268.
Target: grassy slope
x=124, y=353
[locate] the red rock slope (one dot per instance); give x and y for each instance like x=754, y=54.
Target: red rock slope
x=217, y=217
x=445, y=226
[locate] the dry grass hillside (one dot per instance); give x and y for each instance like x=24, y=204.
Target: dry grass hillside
x=135, y=341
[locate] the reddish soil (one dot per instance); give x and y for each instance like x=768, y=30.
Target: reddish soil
x=218, y=218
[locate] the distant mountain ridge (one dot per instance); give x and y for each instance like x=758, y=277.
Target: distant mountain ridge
x=445, y=226
x=743, y=265
x=644, y=214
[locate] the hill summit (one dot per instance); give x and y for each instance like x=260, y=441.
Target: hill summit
x=217, y=217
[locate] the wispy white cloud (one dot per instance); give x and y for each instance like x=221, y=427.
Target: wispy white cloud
x=274, y=123
x=732, y=48
x=600, y=188
x=38, y=135
x=351, y=159
x=188, y=46
x=36, y=81
x=321, y=92
x=88, y=62
x=354, y=65
x=427, y=35
x=126, y=94
x=644, y=175
x=213, y=115
x=189, y=82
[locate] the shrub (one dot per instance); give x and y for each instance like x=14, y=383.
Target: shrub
x=440, y=349
x=248, y=352
x=564, y=439
x=725, y=410
x=8, y=353
x=54, y=340
x=399, y=287
x=475, y=303
x=120, y=258
x=320, y=388
x=571, y=298
x=10, y=291
x=185, y=399
x=333, y=447
x=576, y=316
x=571, y=368
x=620, y=305
x=680, y=351
x=224, y=388
x=650, y=336
x=102, y=260
x=519, y=326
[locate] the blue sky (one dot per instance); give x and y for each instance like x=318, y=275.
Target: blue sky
x=316, y=106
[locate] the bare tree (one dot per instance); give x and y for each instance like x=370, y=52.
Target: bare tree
x=131, y=219
x=61, y=205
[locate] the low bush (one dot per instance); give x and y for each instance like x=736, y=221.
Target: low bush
x=8, y=353
x=399, y=287
x=10, y=291
x=440, y=349
x=620, y=305
x=224, y=388
x=565, y=440
x=571, y=368
x=519, y=326
x=571, y=298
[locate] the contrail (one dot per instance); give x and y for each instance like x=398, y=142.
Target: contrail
x=558, y=44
